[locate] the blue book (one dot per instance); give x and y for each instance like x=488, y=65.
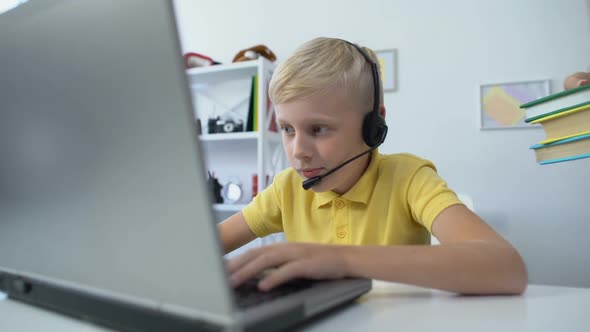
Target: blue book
x=577, y=147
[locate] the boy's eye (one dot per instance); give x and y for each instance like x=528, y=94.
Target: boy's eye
x=287, y=130
x=319, y=130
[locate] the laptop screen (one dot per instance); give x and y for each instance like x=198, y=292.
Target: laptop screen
x=101, y=182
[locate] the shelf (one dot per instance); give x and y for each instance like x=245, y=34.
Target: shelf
x=229, y=136
x=221, y=73
x=228, y=87
x=248, y=135
x=228, y=207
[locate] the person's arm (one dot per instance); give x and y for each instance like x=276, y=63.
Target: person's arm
x=471, y=259
x=235, y=232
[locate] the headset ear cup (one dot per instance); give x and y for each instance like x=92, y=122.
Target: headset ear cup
x=374, y=129
x=367, y=130
x=381, y=130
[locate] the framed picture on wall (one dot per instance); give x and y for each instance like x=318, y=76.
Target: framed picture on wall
x=499, y=103
x=388, y=66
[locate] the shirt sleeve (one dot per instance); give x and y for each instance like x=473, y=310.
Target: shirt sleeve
x=428, y=195
x=263, y=215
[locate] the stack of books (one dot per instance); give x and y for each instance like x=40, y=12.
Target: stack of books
x=565, y=117
x=252, y=120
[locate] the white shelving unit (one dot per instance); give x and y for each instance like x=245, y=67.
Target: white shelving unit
x=239, y=154
x=271, y=136
x=228, y=207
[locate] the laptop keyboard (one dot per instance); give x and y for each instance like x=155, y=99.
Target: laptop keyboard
x=248, y=294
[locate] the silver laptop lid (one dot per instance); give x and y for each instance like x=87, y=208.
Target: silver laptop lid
x=101, y=183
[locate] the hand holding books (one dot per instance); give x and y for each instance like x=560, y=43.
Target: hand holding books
x=565, y=117
x=576, y=80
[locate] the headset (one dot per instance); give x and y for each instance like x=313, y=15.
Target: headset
x=374, y=127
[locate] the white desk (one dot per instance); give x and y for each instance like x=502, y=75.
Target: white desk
x=395, y=307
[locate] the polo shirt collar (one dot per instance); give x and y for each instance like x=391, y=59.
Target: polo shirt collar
x=361, y=191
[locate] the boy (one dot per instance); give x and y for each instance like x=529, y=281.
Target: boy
x=371, y=217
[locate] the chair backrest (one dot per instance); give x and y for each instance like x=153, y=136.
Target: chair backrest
x=468, y=201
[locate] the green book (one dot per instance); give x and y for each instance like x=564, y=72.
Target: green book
x=556, y=103
x=251, y=122
x=255, y=101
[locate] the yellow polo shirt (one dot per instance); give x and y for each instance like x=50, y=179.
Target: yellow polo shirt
x=394, y=202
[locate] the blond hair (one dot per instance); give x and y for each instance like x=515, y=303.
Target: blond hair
x=323, y=63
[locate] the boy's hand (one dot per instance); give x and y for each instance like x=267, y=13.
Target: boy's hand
x=292, y=260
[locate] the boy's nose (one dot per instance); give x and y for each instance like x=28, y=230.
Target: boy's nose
x=300, y=148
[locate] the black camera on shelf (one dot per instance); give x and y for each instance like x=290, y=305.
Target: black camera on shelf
x=218, y=125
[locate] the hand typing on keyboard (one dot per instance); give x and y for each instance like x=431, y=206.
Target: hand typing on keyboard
x=247, y=294
x=291, y=260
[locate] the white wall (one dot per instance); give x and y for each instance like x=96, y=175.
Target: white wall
x=445, y=49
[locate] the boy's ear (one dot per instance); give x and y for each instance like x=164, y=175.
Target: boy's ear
x=382, y=111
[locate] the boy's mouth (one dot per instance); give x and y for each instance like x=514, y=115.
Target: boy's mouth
x=310, y=172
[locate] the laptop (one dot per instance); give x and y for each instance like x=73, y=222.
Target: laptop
x=105, y=213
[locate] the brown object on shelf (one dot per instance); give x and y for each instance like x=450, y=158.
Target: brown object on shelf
x=253, y=53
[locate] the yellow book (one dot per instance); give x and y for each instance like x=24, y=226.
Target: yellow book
x=574, y=148
x=565, y=125
x=255, y=103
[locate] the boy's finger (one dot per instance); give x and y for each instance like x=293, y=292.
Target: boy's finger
x=255, y=266
x=236, y=263
x=291, y=270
